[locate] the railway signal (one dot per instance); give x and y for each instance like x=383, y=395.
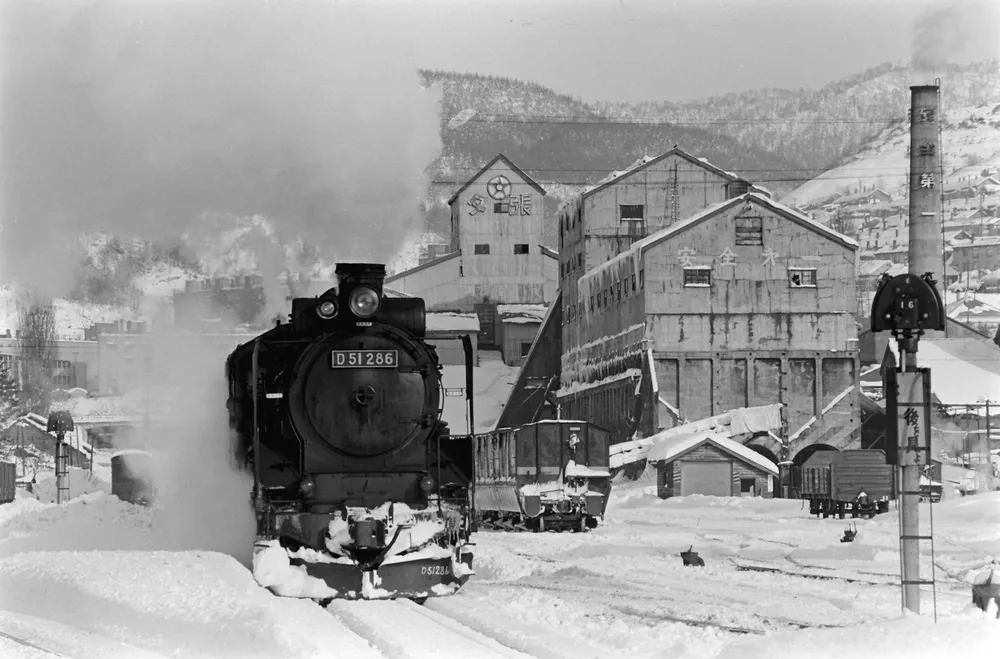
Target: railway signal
x=908, y=306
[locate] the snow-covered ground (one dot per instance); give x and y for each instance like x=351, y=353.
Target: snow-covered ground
x=91, y=579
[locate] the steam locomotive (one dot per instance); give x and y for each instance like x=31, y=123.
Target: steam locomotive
x=360, y=490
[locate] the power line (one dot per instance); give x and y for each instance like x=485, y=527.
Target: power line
x=664, y=123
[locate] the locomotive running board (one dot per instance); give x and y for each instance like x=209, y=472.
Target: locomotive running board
x=429, y=577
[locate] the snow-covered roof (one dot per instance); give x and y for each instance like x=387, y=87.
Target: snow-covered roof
x=492, y=382
x=444, y=321
x=963, y=370
x=522, y=313
x=666, y=450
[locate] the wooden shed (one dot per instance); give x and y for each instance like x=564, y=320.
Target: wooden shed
x=710, y=464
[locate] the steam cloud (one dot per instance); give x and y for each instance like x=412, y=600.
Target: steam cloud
x=137, y=117
x=147, y=119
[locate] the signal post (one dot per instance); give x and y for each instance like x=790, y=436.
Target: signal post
x=908, y=306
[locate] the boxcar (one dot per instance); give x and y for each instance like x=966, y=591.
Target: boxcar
x=855, y=481
x=547, y=475
x=8, y=482
x=132, y=477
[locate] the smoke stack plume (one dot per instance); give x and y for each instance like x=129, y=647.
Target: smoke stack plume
x=136, y=118
x=926, y=248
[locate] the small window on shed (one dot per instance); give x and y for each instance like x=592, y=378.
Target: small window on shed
x=697, y=277
x=525, y=349
x=802, y=277
x=481, y=249
x=633, y=282
x=748, y=486
x=521, y=248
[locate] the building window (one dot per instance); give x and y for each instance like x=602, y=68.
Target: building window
x=750, y=230
x=642, y=277
x=482, y=249
x=619, y=290
x=525, y=349
x=521, y=248
x=592, y=304
x=802, y=277
x=698, y=277
x=633, y=282
x=631, y=212
x=579, y=260
x=748, y=486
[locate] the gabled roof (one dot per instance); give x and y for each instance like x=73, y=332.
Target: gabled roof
x=643, y=163
x=668, y=450
x=423, y=266
x=500, y=157
x=653, y=239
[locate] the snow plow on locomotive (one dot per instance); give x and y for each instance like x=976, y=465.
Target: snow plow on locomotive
x=360, y=490
x=546, y=475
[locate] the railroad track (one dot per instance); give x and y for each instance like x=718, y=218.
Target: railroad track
x=402, y=629
x=44, y=652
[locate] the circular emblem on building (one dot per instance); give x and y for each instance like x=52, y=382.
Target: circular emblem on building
x=499, y=187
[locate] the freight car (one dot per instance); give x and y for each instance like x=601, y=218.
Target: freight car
x=8, y=482
x=360, y=489
x=544, y=475
x=855, y=481
x=132, y=477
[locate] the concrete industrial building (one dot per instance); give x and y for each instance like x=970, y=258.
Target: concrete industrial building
x=497, y=254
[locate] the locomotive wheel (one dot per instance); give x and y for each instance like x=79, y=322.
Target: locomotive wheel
x=541, y=524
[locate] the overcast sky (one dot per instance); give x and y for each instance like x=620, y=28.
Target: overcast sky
x=680, y=49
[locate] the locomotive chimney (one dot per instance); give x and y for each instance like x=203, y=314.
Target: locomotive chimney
x=350, y=275
x=926, y=251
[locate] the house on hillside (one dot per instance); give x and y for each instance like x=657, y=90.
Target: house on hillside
x=497, y=254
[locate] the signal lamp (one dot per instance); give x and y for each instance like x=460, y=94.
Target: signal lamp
x=326, y=309
x=307, y=485
x=364, y=302
x=427, y=484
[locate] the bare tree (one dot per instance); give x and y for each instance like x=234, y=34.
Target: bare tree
x=37, y=342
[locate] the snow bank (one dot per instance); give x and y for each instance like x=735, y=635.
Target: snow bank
x=190, y=604
x=80, y=482
x=914, y=637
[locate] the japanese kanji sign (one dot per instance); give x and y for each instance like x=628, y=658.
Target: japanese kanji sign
x=769, y=256
x=686, y=256
x=913, y=418
x=477, y=204
x=927, y=180
x=728, y=257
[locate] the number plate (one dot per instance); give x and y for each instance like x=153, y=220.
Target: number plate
x=364, y=359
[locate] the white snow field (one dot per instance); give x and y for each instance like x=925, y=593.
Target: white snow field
x=89, y=578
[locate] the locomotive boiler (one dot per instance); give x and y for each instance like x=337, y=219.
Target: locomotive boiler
x=360, y=489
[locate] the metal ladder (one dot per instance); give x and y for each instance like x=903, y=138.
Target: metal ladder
x=899, y=521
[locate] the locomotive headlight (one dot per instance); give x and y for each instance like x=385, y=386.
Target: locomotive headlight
x=364, y=302
x=307, y=485
x=326, y=309
x=427, y=484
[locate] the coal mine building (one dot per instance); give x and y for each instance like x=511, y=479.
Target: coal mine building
x=497, y=254
x=712, y=465
x=744, y=302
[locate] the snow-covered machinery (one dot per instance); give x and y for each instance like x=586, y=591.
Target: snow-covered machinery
x=360, y=490
x=545, y=475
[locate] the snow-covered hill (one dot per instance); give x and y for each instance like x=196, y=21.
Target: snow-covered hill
x=970, y=139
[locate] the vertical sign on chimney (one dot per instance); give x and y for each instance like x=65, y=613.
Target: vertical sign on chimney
x=924, y=185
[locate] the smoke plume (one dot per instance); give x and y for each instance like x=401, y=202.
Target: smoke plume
x=135, y=118
x=942, y=34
